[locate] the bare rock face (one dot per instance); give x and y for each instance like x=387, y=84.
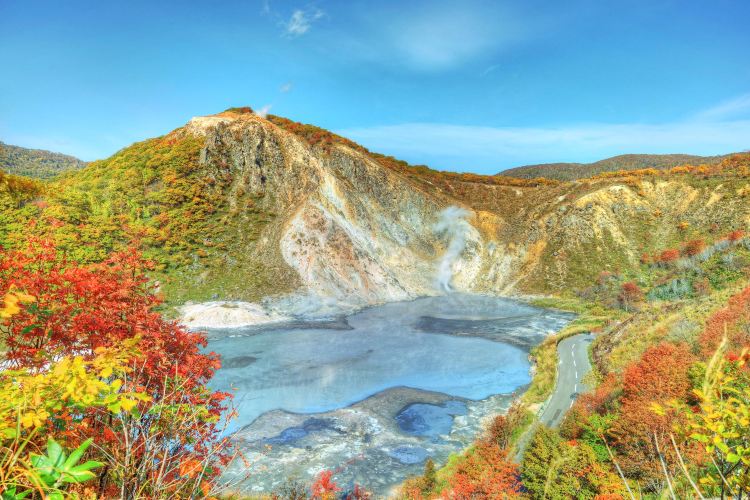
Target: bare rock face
x=353, y=230
x=350, y=228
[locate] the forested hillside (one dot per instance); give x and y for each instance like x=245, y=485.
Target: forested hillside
x=35, y=163
x=655, y=262
x=573, y=171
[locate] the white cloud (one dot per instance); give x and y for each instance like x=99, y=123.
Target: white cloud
x=301, y=21
x=286, y=87
x=439, y=35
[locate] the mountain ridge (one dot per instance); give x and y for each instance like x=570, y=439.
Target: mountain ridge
x=568, y=171
x=36, y=163
x=235, y=206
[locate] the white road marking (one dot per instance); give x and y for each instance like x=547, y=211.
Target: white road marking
x=574, y=362
x=571, y=404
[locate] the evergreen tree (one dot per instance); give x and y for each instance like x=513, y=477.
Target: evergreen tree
x=430, y=477
x=541, y=459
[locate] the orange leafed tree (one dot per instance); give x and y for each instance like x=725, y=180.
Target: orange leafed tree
x=660, y=376
x=736, y=235
x=630, y=294
x=485, y=473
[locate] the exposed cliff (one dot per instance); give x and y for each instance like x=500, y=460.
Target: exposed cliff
x=236, y=207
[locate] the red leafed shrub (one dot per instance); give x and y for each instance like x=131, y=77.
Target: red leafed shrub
x=736, y=235
x=324, y=487
x=358, y=493
x=693, y=247
x=601, y=400
x=500, y=430
x=732, y=321
x=629, y=295
x=81, y=307
x=486, y=472
x=669, y=255
x=172, y=441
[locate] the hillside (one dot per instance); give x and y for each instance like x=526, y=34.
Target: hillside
x=573, y=171
x=35, y=163
x=235, y=206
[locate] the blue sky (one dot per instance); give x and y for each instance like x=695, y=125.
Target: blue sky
x=463, y=85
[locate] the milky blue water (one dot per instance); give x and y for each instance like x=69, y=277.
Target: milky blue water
x=455, y=344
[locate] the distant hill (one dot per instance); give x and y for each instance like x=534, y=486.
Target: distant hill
x=572, y=171
x=35, y=163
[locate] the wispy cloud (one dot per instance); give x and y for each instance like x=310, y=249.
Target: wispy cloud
x=286, y=87
x=488, y=70
x=301, y=21
x=265, y=7
x=440, y=35
x=738, y=107
x=492, y=149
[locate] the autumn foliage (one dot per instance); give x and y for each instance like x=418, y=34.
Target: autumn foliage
x=630, y=294
x=78, y=310
x=693, y=247
x=735, y=236
x=731, y=321
x=486, y=472
x=324, y=487
x=500, y=430
x=669, y=255
x=658, y=377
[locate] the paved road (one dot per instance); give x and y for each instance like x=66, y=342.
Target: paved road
x=573, y=365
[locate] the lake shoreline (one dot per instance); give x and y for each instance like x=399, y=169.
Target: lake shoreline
x=363, y=437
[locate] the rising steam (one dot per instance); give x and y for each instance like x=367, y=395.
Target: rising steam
x=451, y=226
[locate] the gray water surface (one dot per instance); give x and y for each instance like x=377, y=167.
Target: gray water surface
x=374, y=394
x=468, y=346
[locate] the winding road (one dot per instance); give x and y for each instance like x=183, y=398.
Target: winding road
x=573, y=365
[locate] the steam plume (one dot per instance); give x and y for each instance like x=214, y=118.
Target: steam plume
x=452, y=226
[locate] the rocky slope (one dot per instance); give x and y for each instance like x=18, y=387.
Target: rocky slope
x=352, y=231
x=238, y=207
x=356, y=230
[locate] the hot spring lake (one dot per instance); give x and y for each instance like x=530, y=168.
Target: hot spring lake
x=375, y=393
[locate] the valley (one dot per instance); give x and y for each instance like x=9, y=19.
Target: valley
x=335, y=250
x=370, y=315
